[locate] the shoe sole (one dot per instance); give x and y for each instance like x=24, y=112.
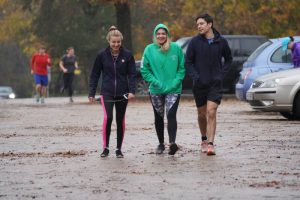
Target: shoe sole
x=103, y=156
x=211, y=153
x=159, y=152
x=119, y=156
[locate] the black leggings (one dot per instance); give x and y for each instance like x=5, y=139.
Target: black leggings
x=68, y=83
x=108, y=103
x=171, y=102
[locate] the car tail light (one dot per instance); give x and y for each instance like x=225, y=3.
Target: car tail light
x=247, y=74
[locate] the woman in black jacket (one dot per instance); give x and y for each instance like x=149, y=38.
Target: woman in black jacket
x=117, y=66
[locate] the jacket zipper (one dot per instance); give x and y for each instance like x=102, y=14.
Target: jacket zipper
x=115, y=70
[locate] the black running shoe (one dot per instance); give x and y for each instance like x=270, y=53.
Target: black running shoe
x=160, y=149
x=173, y=149
x=119, y=153
x=105, y=153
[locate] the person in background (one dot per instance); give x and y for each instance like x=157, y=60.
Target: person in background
x=204, y=65
x=68, y=64
x=162, y=67
x=117, y=66
x=39, y=63
x=289, y=43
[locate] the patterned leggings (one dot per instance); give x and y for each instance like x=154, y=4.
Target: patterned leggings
x=171, y=102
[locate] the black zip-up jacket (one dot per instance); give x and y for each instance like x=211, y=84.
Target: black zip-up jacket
x=118, y=77
x=204, y=61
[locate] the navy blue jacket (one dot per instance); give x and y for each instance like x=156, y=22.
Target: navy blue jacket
x=204, y=61
x=118, y=77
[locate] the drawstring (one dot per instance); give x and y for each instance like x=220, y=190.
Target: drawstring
x=125, y=98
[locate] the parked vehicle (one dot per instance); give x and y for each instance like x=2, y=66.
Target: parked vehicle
x=279, y=92
x=241, y=47
x=141, y=84
x=266, y=59
x=6, y=92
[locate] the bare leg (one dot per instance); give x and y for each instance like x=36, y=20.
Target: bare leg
x=211, y=120
x=43, y=91
x=43, y=94
x=38, y=89
x=202, y=120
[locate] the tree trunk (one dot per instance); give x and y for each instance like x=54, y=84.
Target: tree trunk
x=124, y=22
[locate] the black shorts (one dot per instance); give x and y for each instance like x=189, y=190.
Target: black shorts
x=208, y=93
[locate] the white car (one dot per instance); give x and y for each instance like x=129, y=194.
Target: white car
x=6, y=92
x=279, y=92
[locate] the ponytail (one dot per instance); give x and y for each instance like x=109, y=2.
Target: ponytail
x=113, y=31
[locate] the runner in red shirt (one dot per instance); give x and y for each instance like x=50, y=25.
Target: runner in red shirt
x=39, y=63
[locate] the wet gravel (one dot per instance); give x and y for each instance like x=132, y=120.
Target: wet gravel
x=51, y=151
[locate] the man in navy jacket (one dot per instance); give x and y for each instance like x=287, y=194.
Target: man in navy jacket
x=204, y=64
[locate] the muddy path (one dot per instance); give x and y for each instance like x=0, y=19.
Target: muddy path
x=51, y=151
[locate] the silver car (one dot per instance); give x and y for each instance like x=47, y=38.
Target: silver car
x=279, y=92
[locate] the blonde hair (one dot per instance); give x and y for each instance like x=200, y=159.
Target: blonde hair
x=166, y=45
x=113, y=31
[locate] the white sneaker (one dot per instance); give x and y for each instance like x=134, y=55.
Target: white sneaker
x=204, y=144
x=37, y=98
x=42, y=99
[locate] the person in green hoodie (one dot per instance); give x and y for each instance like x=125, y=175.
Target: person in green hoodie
x=163, y=68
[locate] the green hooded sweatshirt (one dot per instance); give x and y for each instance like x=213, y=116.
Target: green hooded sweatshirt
x=163, y=70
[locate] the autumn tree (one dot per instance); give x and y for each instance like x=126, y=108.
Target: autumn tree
x=123, y=19
x=84, y=24
x=15, y=39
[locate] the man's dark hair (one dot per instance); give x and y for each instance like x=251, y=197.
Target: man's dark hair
x=206, y=17
x=292, y=38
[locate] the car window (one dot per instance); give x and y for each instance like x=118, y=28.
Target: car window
x=259, y=50
x=280, y=56
x=5, y=89
x=248, y=45
x=183, y=43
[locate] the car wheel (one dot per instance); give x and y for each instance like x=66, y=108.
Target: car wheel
x=296, y=107
x=142, y=87
x=288, y=115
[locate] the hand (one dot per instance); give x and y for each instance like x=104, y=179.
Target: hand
x=131, y=96
x=157, y=84
x=92, y=99
x=65, y=70
x=32, y=72
x=175, y=84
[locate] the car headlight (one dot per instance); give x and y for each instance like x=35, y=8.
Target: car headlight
x=270, y=83
x=256, y=84
x=12, y=96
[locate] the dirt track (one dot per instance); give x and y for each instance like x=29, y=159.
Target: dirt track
x=51, y=152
